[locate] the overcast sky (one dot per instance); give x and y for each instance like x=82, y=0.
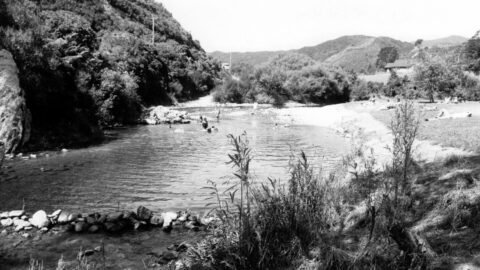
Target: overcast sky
x=255, y=25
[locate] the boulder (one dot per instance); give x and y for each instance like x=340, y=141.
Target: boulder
x=94, y=229
x=81, y=226
x=65, y=217
x=156, y=220
x=90, y=220
x=15, y=118
x=183, y=217
x=16, y=213
x=55, y=214
x=40, y=219
x=6, y=222
x=4, y=215
x=144, y=213
x=169, y=255
x=114, y=217
x=20, y=224
x=168, y=219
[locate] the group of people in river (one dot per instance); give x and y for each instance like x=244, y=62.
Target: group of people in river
x=204, y=122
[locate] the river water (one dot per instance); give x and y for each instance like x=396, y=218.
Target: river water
x=159, y=167
x=162, y=168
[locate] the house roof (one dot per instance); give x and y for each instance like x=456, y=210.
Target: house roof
x=400, y=63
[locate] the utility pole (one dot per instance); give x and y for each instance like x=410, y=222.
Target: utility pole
x=153, y=30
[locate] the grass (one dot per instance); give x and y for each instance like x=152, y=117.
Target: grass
x=460, y=133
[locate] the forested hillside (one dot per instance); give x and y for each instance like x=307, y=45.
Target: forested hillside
x=84, y=64
x=358, y=53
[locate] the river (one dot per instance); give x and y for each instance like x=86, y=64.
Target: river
x=159, y=167
x=162, y=168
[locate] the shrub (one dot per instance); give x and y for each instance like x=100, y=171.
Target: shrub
x=269, y=225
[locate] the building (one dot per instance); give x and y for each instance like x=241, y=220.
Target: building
x=400, y=66
x=226, y=66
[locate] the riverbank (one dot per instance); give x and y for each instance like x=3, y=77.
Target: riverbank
x=357, y=118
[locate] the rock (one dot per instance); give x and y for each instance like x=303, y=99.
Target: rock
x=81, y=226
x=65, y=217
x=192, y=218
x=64, y=150
x=28, y=228
x=20, y=224
x=109, y=226
x=24, y=217
x=101, y=219
x=16, y=213
x=137, y=224
x=191, y=225
x=90, y=220
x=144, y=213
x=40, y=219
x=114, y=217
x=169, y=255
x=94, y=229
x=156, y=220
x=44, y=229
x=205, y=221
x=98, y=249
x=55, y=214
x=15, y=117
x=129, y=214
x=4, y=232
x=4, y=215
x=6, y=222
x=183, y=217
x=168, y=218
x=26, y=235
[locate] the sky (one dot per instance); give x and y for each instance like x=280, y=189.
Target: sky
x=258, y=25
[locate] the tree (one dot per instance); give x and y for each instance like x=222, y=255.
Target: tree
x=387, y=55
x=418, y=42
x=436, y=78
x=472, y=53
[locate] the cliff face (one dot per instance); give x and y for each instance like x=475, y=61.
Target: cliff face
x=14, y=115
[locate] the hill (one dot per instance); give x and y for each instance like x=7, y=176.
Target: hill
x=356, y=52
x=449, y=41
x=88, y=64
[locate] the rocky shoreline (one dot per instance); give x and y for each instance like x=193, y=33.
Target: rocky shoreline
x=21, y=225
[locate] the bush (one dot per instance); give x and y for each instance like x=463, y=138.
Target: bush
x=271, y=225
x=363, y=90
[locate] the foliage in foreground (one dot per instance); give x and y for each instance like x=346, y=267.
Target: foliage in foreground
x=310, y=217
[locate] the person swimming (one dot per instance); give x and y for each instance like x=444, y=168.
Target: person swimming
x=205, y=123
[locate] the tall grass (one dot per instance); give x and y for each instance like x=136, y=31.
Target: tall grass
x=269, y=225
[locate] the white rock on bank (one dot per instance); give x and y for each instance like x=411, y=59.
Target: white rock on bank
x=65, y=217
x=4, y=215
x=20, y=224
x=40, y=219
x=16, y=213
x=6, y=222
x=168, y=218
x=55, y=214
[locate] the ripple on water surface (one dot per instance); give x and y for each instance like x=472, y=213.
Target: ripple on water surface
x=159, y=168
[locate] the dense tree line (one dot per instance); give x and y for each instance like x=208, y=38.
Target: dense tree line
x=86, y=64
x=285, y=77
